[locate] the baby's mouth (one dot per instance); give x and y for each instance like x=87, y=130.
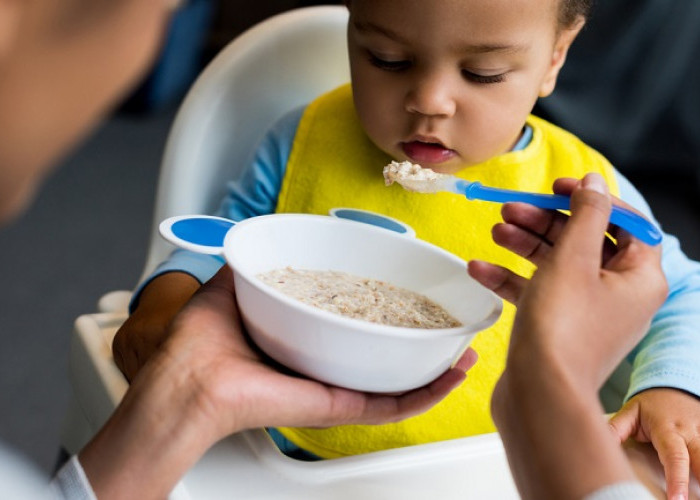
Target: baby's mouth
x=427, y=152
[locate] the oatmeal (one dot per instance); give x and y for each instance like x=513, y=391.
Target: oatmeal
x=413, y=177
x=360, y=298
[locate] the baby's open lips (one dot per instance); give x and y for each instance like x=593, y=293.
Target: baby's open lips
x=427, y=152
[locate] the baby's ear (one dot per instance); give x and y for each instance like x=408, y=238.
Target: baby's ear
x=561, y=48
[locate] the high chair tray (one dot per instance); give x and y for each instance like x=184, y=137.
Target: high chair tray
x=248, y=465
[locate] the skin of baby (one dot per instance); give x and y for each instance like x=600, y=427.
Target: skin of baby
x=449, y=84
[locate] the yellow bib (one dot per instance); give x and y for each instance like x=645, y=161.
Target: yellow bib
x=334, y=164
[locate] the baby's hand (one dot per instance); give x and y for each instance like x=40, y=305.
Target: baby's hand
x=669, y=419
x=147, y=327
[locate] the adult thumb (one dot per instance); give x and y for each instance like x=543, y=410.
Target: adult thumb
x=218, y=292
x=590, y=208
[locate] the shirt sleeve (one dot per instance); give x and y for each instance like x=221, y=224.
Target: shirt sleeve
x=627, y=490
x=71, y=482
x=667, y=355
x=255, y=193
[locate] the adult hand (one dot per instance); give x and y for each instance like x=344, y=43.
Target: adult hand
x=208, y=341
x=584, y=283
x=205, y=383
x=587, y=304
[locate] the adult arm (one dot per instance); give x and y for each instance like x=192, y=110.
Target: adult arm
x=575, y=321
x=205, y=383
x=663, y=357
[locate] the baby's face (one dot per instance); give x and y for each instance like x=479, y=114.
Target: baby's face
x=449, y=83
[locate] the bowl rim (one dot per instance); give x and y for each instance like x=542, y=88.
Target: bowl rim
x=335, y=318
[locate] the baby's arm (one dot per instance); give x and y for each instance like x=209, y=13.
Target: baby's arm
x=665, y=381
x=154, y=304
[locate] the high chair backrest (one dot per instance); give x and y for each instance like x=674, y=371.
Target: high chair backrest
x=275, y=66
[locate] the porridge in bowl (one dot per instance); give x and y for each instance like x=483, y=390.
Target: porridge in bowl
x=343, y=351
x=360, y=298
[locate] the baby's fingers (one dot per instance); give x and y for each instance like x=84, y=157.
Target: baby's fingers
x=626, y=422
x=503, y=282
x=674, y=456
x=694, y=450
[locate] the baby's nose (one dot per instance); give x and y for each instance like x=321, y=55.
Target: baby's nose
x=431, y=95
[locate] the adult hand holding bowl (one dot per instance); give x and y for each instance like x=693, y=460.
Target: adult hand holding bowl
x=326, y=346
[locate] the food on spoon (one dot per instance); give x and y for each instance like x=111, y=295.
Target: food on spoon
x=413, y=177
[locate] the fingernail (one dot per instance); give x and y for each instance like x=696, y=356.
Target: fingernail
x=595, y=182
x=679, y=496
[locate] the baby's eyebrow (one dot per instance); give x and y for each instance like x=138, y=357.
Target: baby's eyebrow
x=483, y=48
x=366, y=27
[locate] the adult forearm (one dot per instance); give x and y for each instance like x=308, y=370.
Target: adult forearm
x=556, y=437
x=156, y=434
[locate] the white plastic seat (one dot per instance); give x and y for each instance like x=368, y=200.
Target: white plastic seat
x=275, y=66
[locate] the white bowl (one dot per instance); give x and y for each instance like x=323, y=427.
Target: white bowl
x=339, y=350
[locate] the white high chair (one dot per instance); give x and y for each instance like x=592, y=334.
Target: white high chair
x=277, y=65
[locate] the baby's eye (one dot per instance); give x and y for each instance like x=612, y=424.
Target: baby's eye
x=387, y=64
x=477, y=78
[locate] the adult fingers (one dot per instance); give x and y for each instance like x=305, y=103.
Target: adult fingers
x=420, y=400
x=219, y=288
x=547, y=224
x=583, y=236
x=522, y=242
x=467, y=360
x=530, y=232
x=381, y=409
x=214, y=301
x=503, y=282
x=565, y=185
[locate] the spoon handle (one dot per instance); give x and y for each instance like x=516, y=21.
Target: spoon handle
x=631, y=222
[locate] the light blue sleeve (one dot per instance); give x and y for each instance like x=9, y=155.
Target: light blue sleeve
x=255, y=193
x=668, y=354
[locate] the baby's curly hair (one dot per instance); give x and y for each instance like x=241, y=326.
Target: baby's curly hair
x=571, y=10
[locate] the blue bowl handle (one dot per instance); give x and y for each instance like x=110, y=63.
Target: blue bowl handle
x=198, y=233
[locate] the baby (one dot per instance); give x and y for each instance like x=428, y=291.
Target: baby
x=448, y=84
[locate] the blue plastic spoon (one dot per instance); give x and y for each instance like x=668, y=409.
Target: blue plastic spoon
x=415, y=178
